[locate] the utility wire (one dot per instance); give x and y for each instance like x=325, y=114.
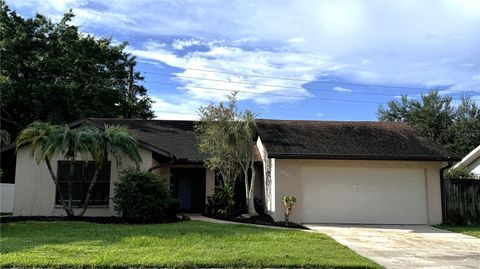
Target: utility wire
x=271, y=94
x=295, y=79
x=271, y=85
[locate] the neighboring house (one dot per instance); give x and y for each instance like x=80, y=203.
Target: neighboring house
x=340, y=172
x=471, y=162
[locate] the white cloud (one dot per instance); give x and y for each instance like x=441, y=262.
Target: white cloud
x=174, y=107
x=418, y=43
x=296, y=40
x=263, y=65
x=179, y=44
x=470, y=85
x=320, y=115
x=341, y=89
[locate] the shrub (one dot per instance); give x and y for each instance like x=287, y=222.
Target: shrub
x=222, y=201
x=289, y=202
x=143, y=195
x=460, y=173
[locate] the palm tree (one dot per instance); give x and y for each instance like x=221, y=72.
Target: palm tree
x=244, y=135
x=114, y=140
x=47, y=140
x=4, y=137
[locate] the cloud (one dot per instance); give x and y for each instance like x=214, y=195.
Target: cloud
x=296, y=40
x=320, y=115
x=470, y=85
x=182, y=44
x=175, y=107
x=400, y=43
x=250, y=72
x=341, y=89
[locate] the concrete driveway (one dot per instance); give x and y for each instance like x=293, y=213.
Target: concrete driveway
x=407, y=246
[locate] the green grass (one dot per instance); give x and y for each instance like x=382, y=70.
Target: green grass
x=468, y=230
x=184, y=244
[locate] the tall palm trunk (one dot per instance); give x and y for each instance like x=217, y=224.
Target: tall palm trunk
x=59, y=190
x=89, y=191
x=98, y=170
x=70, y=185
x=251, y=196
x=249, y=187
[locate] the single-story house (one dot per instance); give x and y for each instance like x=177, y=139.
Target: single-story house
x=471, y=162
x=340, y=172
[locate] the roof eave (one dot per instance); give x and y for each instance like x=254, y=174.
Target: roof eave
x=141, y=143
x=362, y=157
x=469, y=158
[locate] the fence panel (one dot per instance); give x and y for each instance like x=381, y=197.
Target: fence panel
x=462, y=201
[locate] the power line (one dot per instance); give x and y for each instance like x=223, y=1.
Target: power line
x=295, y=79
x=269, y=85
x=271, y=94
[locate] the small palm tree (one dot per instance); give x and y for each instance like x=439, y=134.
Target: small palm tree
x=114, y=140
x=46, y=140
x=289, y=202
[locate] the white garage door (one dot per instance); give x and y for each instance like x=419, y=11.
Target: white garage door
x=363, y=195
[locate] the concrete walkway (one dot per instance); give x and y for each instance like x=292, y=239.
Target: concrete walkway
x=212, y=220
x=207, y=219
x=407, y=246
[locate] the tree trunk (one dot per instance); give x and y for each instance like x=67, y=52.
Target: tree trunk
x=57, y=185
x=250, y=194
x=98, y=170
x=90, y=190
x=70, y=187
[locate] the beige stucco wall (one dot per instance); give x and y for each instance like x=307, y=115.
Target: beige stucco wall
x=286, y=179
x=35, y=190
x=209, y=184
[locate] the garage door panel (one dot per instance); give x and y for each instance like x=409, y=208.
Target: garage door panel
x=363, y=195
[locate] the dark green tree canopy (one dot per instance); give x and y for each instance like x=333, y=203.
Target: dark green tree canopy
x=434, y=116
x=50, y=71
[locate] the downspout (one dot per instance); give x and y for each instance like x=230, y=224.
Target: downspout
x=442, y=191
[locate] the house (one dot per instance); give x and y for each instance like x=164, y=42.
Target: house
x=340, y=172
x=166, y=147
x=471, y=162
x=351, y=172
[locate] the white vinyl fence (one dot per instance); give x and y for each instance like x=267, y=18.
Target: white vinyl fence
x=6, y=197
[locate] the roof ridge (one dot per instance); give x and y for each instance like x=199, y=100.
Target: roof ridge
x=150, y=120
x=335, y=121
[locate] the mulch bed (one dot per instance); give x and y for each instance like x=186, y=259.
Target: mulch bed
x=262, y=219
x=101, y=220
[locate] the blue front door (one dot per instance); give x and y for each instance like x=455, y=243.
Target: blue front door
x=188, y=187
x=185, y=193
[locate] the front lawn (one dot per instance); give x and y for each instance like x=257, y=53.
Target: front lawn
x=184, y=244
x=468, y=230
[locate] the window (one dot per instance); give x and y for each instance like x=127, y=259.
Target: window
x=82, y=175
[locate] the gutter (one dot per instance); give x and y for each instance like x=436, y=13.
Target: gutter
x=442, y=191
x=158, y=166
x=366, y=157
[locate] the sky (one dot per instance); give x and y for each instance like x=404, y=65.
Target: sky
x=318, y=60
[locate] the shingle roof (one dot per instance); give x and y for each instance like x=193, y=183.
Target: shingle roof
x=347, y=140
x=166, y=137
